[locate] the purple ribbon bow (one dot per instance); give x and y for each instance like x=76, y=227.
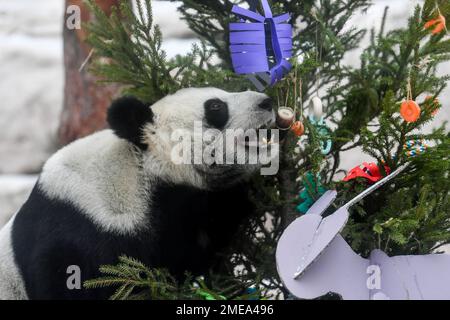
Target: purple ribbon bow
x=263, y=59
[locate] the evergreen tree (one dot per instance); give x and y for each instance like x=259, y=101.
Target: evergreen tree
x=407, y=216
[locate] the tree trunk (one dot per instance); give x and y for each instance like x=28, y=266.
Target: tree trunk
x=85, y=101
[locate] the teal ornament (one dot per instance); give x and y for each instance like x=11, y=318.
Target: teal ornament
x=312, y=189
x=324, y=133
x=252, y=291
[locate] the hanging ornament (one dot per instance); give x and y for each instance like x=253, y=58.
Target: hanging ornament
x=324, y=132
x=438, y=24
x=261, y=45
x=315, y=105
x=298, y=128
x=409, y=109
x=414, y=148
x=285, y=118
x=369, y=171
x=312, y=189
x=433, y=106
x=317, y=120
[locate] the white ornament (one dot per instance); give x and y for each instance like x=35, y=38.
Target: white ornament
x=300, y=58
x=316, y=107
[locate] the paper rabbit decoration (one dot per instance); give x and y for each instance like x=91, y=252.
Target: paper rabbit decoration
x=313, y=259
x=254, y=44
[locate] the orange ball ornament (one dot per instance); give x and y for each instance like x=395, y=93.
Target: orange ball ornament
x=298, y=128
x=410, y=111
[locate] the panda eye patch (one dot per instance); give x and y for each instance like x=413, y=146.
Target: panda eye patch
x=216, y=113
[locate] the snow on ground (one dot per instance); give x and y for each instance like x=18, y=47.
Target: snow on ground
x=31, y=89
x=165, y=15
x=31, y=69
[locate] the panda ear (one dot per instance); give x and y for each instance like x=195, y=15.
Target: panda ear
x=127, y=116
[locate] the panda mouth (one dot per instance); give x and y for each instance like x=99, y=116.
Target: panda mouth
x=264, y=143
x=269, y=124
x=261, y=141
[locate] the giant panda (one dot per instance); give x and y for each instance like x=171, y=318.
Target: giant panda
x=118, y=192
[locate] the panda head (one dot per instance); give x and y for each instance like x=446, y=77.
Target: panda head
x=216, y=112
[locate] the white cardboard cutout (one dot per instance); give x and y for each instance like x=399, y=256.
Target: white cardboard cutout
x=313, y=259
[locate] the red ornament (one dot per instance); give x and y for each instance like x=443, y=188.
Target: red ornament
x=410, y=111
x=298, y=128
x=370, y=171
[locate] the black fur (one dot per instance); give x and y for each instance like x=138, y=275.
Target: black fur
x=188, y=228
x=127, y=116
x=267, y=104
x=216, y=113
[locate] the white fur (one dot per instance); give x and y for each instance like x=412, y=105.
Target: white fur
x=101, y=175
x=11, y=282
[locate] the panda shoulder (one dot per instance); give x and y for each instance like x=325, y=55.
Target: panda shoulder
x=101, y=176
x=82, y=160
x=81, y=151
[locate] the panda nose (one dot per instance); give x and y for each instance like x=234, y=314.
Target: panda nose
x=267, y=104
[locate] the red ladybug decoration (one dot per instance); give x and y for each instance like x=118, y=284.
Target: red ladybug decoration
x=370, y=171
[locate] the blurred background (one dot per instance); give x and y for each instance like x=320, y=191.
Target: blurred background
x=33, y=80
